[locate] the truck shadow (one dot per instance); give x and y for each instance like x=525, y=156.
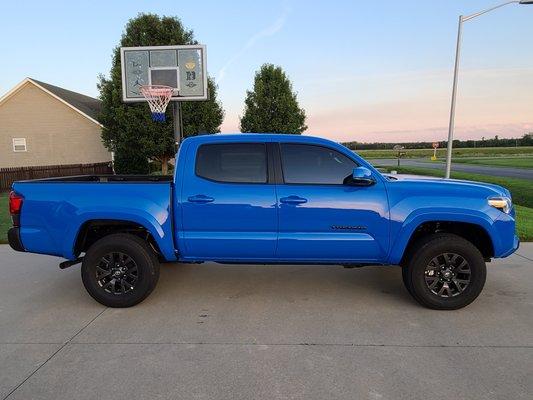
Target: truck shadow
x=285, y=283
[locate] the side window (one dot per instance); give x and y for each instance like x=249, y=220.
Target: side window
x=232, y=162
x=311, y=164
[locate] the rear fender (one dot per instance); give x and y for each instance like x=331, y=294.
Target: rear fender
x=144, y=219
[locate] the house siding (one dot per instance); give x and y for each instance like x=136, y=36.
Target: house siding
x=55, y=133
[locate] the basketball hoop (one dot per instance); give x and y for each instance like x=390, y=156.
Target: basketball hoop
x=158, y=97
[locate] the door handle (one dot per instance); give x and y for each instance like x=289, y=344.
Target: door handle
x=200, y=198
x=293, y=200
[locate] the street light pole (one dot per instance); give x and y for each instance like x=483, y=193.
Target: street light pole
x=451, y=126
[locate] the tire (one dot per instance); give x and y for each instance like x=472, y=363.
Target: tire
x=120, y=270
x=406, y=279
x=444, y=272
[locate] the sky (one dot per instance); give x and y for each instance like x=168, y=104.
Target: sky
x=363, y=71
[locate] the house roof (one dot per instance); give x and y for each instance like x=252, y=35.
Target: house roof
x=87, y=106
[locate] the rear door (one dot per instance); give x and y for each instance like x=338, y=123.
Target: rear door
x=228, y=202
x=322, y=219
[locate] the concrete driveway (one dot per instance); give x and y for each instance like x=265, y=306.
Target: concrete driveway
x=262, y=332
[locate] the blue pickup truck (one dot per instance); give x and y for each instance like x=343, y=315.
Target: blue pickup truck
x=265, y=199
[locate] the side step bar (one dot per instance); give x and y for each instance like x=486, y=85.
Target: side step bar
x=70, y=263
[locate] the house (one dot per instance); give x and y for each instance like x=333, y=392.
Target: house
x=42, y=125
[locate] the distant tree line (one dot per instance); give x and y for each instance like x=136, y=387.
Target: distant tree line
x=526, y=140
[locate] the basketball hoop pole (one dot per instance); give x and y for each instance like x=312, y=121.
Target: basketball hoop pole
x=178, y=130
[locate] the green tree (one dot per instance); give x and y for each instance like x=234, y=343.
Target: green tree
x=130, y=162
x=272, y=105
x=128, y=128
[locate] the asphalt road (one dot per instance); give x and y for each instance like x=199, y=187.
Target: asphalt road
x=262, y=332
x=509, y=172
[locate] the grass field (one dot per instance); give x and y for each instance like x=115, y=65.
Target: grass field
x=521, y=191
x=457, y=153
x=524, y=223
x=5, y=219
x=515, y=162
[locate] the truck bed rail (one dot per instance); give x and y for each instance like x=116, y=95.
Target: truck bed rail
x=105, y=178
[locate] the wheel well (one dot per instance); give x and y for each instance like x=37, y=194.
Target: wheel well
x=475, y=234
x=94, y=230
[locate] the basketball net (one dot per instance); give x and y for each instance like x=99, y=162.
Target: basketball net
x=158, y=97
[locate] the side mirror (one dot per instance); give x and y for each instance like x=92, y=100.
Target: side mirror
x=361, y=176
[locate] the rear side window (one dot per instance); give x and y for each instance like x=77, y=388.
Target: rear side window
x=309, y=164
x=232, y=162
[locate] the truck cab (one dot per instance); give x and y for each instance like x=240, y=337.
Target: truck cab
x=255, y=198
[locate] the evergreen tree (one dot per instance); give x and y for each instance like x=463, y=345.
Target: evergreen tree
x=272, y=105
x=128, y=128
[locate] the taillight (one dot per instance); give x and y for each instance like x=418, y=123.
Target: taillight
x=15, y=204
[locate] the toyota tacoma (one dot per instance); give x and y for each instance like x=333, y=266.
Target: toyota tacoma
x=266, y=199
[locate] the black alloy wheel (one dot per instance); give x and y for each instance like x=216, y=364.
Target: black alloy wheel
x=117, y=273
x=120, y=270
x=444, y=271
x=447, y=275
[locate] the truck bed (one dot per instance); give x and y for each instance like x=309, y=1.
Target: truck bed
x=54, y=209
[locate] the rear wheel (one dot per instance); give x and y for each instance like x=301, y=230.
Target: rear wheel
x=120, y=270
x=444, y=272
x=405, y=278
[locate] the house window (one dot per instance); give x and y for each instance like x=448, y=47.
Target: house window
x=19, y=144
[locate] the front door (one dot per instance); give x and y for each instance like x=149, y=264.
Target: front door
x=228, y=205
x=321, y=219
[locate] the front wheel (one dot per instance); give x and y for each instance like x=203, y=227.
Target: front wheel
x=445, y=272
x=120, y=270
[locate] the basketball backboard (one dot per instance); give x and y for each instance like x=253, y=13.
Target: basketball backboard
x=180, y=67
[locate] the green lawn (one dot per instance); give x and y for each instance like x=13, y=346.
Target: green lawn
x=5, y=219
x=521, y=191
x=524, y=223
x=516, y=162
x=457, y=153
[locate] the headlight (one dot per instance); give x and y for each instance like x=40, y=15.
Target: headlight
x=501, y=203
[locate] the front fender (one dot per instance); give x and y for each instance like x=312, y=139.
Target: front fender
x=418, y=217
